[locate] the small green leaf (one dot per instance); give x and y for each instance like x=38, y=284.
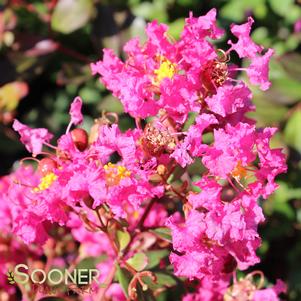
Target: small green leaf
x=176, y=27
x=70, y=15
x=90, y=95
x=123, y=238
x=110, y=104
x=162, y=280
x=292, y=130
x=163, y=233
x=291, y=63
x=165, y=279
x=123, y=279
x=282, y=8
x=139, y=261
x=154, y=257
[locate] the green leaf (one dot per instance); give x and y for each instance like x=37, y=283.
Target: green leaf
x=163, y=280
x=87, y=263
x=111, y=104
x=90, y=95
x=292, y=130
x=291, y=63
x=186, y=2
x=149, y=11
x=235, y=10
x=176, y=27
x=282, y=8
x=123, y=238
x=70, y=15
x=163, y=233
x=139, y=261
x=154, y=257
x=266, y=112
x=123, y=279
x=285, y=193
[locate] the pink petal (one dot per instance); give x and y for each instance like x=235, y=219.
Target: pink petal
x=75, y=111
x=33, y=139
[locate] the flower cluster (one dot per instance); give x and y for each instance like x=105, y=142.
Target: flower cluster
x=120, y=194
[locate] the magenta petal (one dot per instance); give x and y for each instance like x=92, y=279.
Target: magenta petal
x=75, y=111
x=244, y=47
x=33, y=139
x=258, y=70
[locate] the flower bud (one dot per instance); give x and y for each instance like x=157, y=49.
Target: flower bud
x=80, y=139
x=161, y=169
x=88, y=200
x=228, y=194
x=46, y=165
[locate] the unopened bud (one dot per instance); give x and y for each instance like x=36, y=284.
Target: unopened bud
x=46, y=165
x=80, y=139
x=161, y=169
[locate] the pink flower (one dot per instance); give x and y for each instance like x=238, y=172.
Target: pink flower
x=258, y=71
x=272, y=161
x=245, y=47
x=201, y=27
x=233, y=154
x=75, y=111
x=26, y=216
x=208, y=290
x=192, y=143
x=89, y=240
x=115, y=293
x=246, y=288
x=229, y=99
x=137, y=179
x=232, y=147
x=222, y=234
x=33, y=139
x=297, y=26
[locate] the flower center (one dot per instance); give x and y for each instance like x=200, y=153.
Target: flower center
x=115, y=173
x=155, y=141
x=239, y=171
x=215, y=74
x=166, y=70
x=45, y=182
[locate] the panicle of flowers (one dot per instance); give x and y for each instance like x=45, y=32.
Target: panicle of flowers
x=108, y=184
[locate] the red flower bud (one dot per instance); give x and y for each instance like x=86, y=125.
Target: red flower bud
x=46, y=165
x=80, y=139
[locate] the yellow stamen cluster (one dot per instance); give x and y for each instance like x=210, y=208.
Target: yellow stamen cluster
x=46, y=182
x=115, y=173
x=166, y=70
x=239, y=171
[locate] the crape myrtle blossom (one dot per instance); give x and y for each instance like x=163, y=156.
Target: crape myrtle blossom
x=127, y=196
x=33, y=139
x=79, y=175
x=243, y=289
x=222, y=234
x=179, y=75
x=13, y=250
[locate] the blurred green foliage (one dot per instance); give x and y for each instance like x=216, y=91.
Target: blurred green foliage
x=75, y=31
